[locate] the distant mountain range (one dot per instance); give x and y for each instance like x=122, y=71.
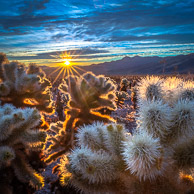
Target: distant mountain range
x=137, y=65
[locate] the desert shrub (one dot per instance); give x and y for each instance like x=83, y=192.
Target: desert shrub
x=157, y=158
x=88, y=94
x=24, y=86
x=19, y=135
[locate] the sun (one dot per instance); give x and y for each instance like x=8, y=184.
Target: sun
x=66, y=67
x=66, y=62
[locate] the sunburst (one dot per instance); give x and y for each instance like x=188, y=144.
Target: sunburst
x=67, y=63
x=66, y=66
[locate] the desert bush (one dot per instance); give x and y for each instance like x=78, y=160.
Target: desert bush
x=87, y=94
x=24, y=86
x=19, y=135
x=157, y=158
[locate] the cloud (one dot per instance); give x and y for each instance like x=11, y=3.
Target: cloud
x=79, y=53
x=115, y=24
x=31, y=6
x=164, y=38
x=27, y=21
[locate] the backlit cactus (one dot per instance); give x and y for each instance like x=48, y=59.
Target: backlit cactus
x=124, y=84
x=97, y=162
x=24, y=86
x=150, y=88
x=121, y=97
x=19, y=134
x=88, y=94
x=154, y=117
x=143, y=156
x=169, y=117
x=159, y=156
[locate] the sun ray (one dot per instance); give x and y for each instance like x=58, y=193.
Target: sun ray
x=76, y=71
x=80, y=68
x=64, y=73
x=71, y=72
x=54, y=71
x=68, y=79
x=58, y=75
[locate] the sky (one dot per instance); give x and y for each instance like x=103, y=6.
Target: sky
x=94, y=31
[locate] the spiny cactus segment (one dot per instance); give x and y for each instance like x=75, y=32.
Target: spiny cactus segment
x=88, y=94
x=121, y=97
x=18, y=136
x=124, y=84
x=24, y=86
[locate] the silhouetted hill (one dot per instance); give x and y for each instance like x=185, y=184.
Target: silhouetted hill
x=142, y=65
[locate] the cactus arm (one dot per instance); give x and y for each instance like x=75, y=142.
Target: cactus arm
x=25, y=173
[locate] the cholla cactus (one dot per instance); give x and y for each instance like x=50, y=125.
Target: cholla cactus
x=134, y=96
x=25, y=86
x=168, y=116
x=171, y=86
x=187, y=91
x=124, y=85
x=110, y=160
x=95, y=167
x=61, y=104
x=158, y=157
x=154, y=117
x=100, y=165
x=88, y=94
x=182, y=121
x=3, y=60
x=183, y=155
x=121, y=97
x=177, y=89
x=150, y=88
x=18, y=136
x=143, y=156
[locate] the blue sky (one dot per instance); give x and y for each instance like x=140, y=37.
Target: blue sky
x=94, y=31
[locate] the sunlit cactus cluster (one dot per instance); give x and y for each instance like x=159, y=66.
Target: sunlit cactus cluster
x=95, y=165
x=124, y=84
x=167, y=113
x=24, y=86
x=167, y=108
x=170, y=90
x=19, y=135
x=88, y=94
x=158, y=156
